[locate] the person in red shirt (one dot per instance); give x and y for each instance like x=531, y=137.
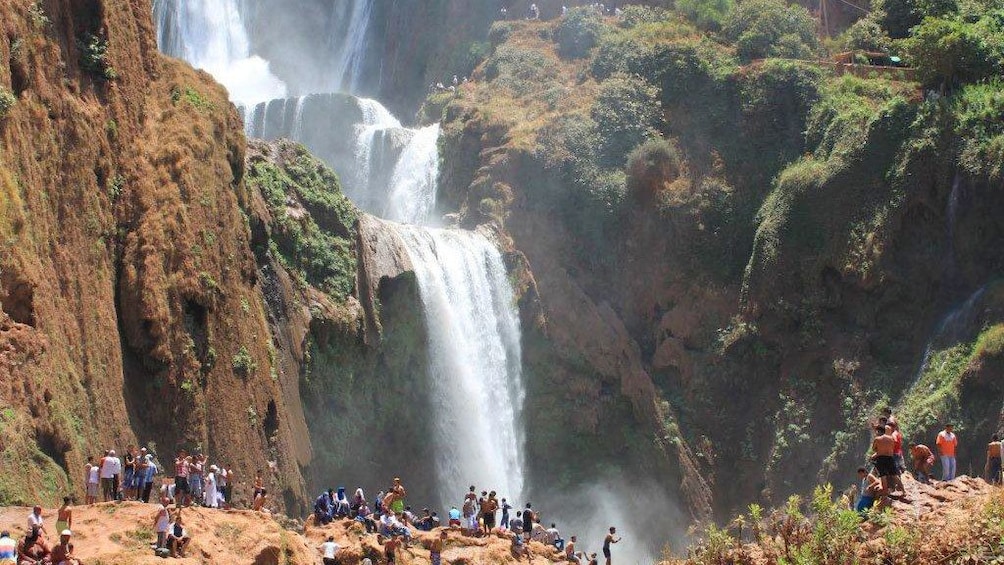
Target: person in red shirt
x=897, y=454
x=947, y=443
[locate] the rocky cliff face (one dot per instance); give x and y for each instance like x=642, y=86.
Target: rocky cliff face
x=132, y=308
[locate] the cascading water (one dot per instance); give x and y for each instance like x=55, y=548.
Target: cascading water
x=211, y=35
x=413, y=183
x=473, y=328
x=350, y=51
x=951, y=328
x=475, y=357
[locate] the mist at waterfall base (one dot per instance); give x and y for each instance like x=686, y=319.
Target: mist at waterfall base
x=646, y=518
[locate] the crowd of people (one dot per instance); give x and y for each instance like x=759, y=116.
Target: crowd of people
x=392, y=521
x=533, y=11
x=888, y=462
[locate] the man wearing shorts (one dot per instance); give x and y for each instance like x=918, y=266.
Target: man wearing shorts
x=181, y=468
x=884, y=446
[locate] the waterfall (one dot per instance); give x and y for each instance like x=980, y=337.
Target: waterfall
x=475, y=372
x=377, y=120
x=473, y=328
x=350, y=51
x=211, y=35
x=413, y=184
x=951, y=329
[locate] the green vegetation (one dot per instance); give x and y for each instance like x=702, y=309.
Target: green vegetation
x=578, y=32
x=7, y=101
x=934, y=398
x=94, y=57
x=36, y=14
x=318, y=246
x=626, y=113
x=771, y=28
x=952, y=50
x=193, y=98
x=990, y=342
x=707, y=14
x=243, y=363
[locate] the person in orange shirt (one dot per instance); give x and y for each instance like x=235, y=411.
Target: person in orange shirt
x=947, y=442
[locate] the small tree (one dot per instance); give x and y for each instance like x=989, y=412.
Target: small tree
x=949, y=51
x=626, y=112
x=579, y=32
x=866, y=34
x=708, y=15
x=771, y=28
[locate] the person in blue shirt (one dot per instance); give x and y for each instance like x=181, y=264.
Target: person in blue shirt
x=454, y=517
x=322, y=507
x=150, y=470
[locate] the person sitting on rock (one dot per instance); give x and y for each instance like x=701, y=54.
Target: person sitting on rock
x=870, y=489
x=32, y=549
x=519, y=548
x=923, y=462
x=177, y=538
x=554, y=537
x=62, y=554
x=454, y=517
x=570, y=550
x=322, y=507
x=342, y=508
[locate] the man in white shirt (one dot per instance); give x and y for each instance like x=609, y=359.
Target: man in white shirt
x=328, y=551
x=35, y=520
x=111, y=467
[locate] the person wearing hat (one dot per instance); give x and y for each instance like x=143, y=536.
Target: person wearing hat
x=62, y=554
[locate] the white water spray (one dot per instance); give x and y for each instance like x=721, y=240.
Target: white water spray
x=211, y=35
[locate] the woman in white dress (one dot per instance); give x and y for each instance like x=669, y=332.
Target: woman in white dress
x=211, y=491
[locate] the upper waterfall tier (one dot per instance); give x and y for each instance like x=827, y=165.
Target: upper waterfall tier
x=212, y=35
x=388, y=170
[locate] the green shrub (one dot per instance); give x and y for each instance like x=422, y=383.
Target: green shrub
x=866, y=34
x=519, y=69
x=650, y=166
x=950, y=51
x=771, y=28
x=243, y=363
x=94, y=57
x=626, y=112
x=7, y=101
x=990, y=342
x=708, y=15
x=500, y=32
x=579, y=32
x=632, y=16
x=979, y=110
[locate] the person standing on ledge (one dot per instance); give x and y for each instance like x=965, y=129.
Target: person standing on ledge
x=994, y=460
x=947, y=443
x=609, y=540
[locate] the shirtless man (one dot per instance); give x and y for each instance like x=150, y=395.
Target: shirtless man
x=64, y=516
x=923, y=462
x=488, y=512
x=892, y=430
x=570, y=550
x=258, y=494
x=399, y=495
x=609, y=540
x=390, y=547
x=994, y=460
x=883, y=446
x=62, y=554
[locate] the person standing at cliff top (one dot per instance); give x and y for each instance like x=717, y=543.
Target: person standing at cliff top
x=181, y=469
x=994, y=460
x=195, y=474
x=92, y=480
x=506, y=507
x=110, y=466
x=885, y=464
x=609, y=540
x=897, y=456
x=149, y=471
x=947, y=443
x=399, y=495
